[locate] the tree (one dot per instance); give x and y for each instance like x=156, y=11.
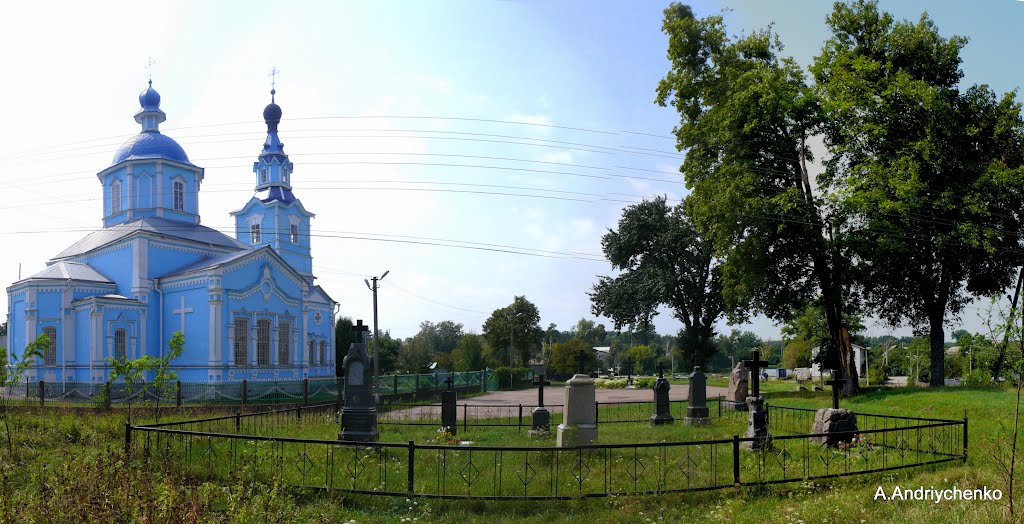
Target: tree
x=642, y=358
x=735, y=346
x=163, y=374
x=10, y=375
x=589, y=331
x=388, y=350
x=344, y=336
x=931, y=172
x=663, y=261
x=563, y=356
x=441, y=338
x=796, y=354
x=414, y=357
x=469, y=353
x=518, y=324
x=745, y=118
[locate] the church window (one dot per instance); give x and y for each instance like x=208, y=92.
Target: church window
x=286, y=173
x=263, y=342
x=179, y=195
x=323, y=352
x=115, y=198
x=295, y=233
x=241, y=341
x=312, y=353
x=263, y=176
x=254, y=231
x=284, y=339
x=50, y=356
x=120, y=344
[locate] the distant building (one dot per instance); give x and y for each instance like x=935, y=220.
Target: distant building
x=604, y=354
x=860, y=359
x=248, y=305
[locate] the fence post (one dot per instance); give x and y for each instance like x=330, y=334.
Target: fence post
x=298, y=413
x=177, y=393
x=42, y=393
x=238, y=421
x=127, y=439
x=106, y=395
x=719, y=405
x=245, y=392
x=412, y=465
x=597, y=411
x=465, y=420
x=736, y=460
x=305, y=392
x=520, y=418
x=965, y=436
x=394, y=389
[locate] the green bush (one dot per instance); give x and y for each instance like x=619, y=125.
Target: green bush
x=643, y=383
x=505, y=379
x=876, y=374
x=978, y=377
x=610, y=383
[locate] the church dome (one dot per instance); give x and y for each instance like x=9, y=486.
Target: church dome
x=149, y=144
x=149, y=99
x=272, y=113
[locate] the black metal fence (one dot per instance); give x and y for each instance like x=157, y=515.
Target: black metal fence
x=217, y=447
x=244, y=392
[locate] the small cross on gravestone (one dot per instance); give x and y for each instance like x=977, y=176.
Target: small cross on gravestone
x=449, y=413
x=661, y=370
x=755, y=365
x=757, y=424
x=449, y=382
x=360, y=330
x=836, y=382
x=580, y=358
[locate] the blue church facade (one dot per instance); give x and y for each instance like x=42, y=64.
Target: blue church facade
x=248, y=306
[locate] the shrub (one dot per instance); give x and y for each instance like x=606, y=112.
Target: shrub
x=643, y=383
x=978, y=377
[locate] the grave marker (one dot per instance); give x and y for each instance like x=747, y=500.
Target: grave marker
x=358, y=416
x=580, y=425
x=540, y=418
x=662, y=413
x=449, y=414
x=697, y=410
x=757, y=424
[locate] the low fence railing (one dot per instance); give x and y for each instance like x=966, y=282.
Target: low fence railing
x=216, y=447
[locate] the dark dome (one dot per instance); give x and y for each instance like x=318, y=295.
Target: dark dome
x=150, y=145
x=150, y=99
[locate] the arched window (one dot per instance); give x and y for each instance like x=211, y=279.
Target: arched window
x=286, y=173
x=295, y=233
x=284, y=339
x=241, y=342
x=115, y=198
x=50, y=356
x=120, y=344
x=323, y=352
x=263, y=176
x=312, y=353
x=179, y=195
x=254, y=231
x=263, y=342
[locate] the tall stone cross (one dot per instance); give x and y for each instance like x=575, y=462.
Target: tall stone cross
x=540, y=383
x=360, y=329
x=836, y=382
x=755, y=365
x=579, y=357
x=183, y=311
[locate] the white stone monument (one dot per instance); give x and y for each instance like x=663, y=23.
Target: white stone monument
x=579, y=427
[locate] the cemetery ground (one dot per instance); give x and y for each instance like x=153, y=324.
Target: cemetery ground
x=69, y=466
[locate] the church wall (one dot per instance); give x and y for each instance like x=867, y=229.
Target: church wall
x=83, y=344
x=115, y=263
x=16, y=322
x=165, y=258
x=196, y=324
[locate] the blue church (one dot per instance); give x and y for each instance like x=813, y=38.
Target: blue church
x=248, y=305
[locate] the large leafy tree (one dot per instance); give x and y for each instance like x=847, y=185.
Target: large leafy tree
x=745, y=118
x=515, y=327
x=563, y=357
x=931, y=170
x=663, y=261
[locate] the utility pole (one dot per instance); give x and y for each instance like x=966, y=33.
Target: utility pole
x=511, y=343
x=376, y=335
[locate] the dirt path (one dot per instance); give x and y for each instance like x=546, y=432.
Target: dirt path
x=504, y=404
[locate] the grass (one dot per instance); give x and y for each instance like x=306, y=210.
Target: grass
x=70, y=467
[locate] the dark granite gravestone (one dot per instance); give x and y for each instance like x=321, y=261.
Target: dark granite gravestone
x=449, y=414
x=836, y=424
x=662, y=413
x=697, y=410
x=757, y=425
x=358, y=416
x=540, y=418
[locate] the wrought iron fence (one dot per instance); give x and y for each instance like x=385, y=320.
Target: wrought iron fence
x=217, y=447
x=245, y=392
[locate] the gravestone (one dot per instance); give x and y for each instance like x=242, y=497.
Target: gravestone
x=358, y=416
x=579, y=427
x=736, y=397
x=834, y=420
x=757, y=424
x=540, y=418
x=449, y=414
x=697, y=410
x=662, y=413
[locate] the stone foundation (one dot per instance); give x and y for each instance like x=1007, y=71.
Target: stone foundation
x=830, y=420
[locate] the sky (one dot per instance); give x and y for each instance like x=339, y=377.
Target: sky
x=475, y=150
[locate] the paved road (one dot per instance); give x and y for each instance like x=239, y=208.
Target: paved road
x=506, y=403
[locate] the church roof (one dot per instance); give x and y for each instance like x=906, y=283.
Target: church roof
x=152, y=225
x=211, y=262
x=70, y=271
x=150, y=145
